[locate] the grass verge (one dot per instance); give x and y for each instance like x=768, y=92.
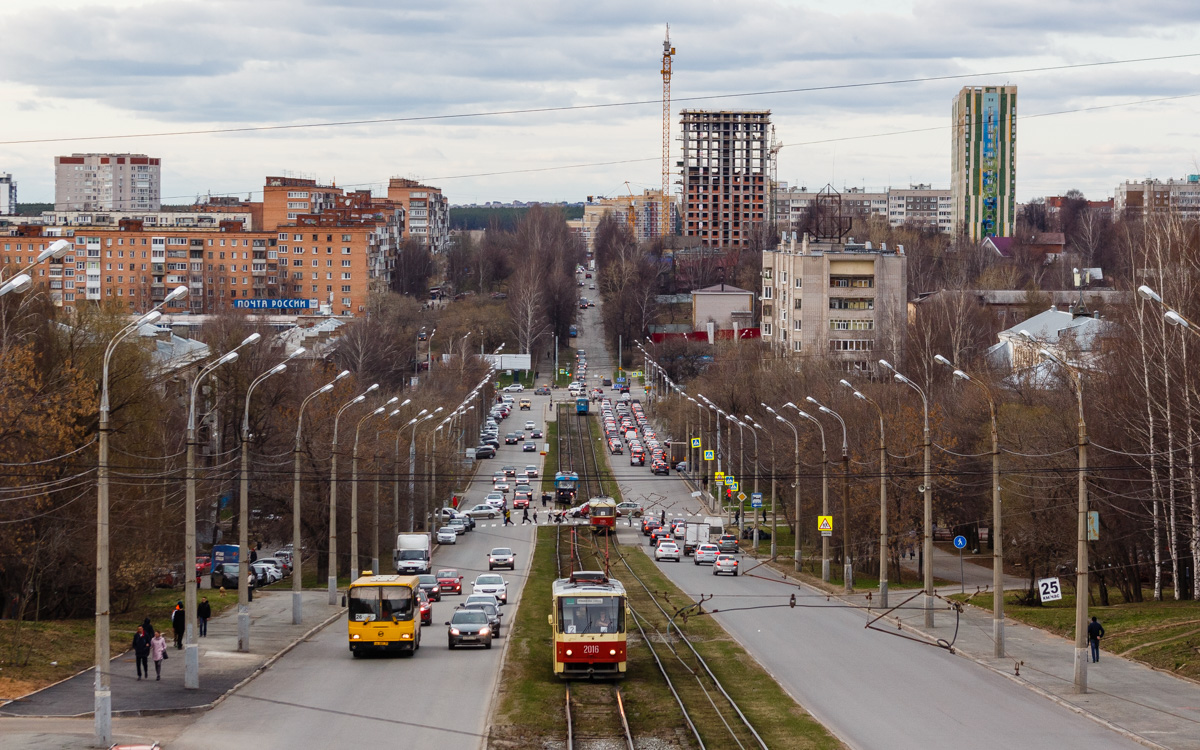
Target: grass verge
x=1165, y=634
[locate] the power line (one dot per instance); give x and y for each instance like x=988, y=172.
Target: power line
x=607, y=105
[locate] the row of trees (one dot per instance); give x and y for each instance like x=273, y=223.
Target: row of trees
x=1141, y=407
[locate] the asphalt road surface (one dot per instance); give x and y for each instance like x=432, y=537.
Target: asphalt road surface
x=872, y=689
x=320, y=696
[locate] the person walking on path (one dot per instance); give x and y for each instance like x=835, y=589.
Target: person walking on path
x=203, y=612
x=158, y=652
x=508, y=518
x=662, y=516
x=141, y=652
x=250, y=586
x=525, y=516
x=178, y=620
x=148, y=627
x=1095, y=633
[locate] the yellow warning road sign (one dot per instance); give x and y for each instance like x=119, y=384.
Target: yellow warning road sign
x=719, y=476
x=825, y=525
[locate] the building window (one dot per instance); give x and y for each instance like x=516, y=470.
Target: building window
x=795, y=325
x=847, y=303
x=768, y=292
x=766, y=329
x=851, y=345
x=797, y=280
x=797, y=345
x=796, y=303
x=851, y=325
x=345, y=289
x=852, y=282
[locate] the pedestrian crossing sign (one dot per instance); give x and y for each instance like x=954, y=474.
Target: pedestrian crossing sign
x=695, y=442
x=709, y=455
x=729, y=480
x=718, y=477
x=734, y=486
x=825, y=525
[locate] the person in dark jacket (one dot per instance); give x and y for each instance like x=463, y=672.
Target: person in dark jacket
x=141, y=652
x=203, y=612
x=178, y=622
x=148, y=627
x=1095, y=633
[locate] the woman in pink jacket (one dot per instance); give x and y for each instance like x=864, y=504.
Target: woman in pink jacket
x=158, y=652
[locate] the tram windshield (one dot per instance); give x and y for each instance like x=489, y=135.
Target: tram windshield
x=603, y=511
x=591, y=614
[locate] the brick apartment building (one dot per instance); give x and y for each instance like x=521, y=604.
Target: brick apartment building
x=726, y=164
x=318, y=246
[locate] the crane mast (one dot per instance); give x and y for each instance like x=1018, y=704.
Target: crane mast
x=665, y=210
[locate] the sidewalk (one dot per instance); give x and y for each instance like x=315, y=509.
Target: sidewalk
x=1152, y=707
x=222, y=668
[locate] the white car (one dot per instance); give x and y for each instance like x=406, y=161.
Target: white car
x=502, y=557
x=529, y=425
x=265, y=573
x=706, y=553
x=447, y=535
x=515, y=388
x=531, y=471
x=495, y=499
x=489, y=583
x=667, y=551
x=483, y=511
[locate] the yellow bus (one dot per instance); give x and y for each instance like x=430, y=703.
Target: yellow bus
x=383, y=614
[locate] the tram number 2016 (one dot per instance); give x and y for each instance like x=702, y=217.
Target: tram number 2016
x=591, y=650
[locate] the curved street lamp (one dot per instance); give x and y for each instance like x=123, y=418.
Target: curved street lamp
x=847, y=570
x=22, y=281
x=354, y=558
x=883, y=511
x=333, y=492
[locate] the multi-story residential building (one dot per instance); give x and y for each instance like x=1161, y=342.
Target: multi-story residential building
x=726, y=168
x=107, y=182
x=1148, y=197
x=427, y=210
x=840, y=300
x=919, y=205
x=325, y=261
x=8, y=194
x=984, y=161
x=196, y=216
x=641, y=213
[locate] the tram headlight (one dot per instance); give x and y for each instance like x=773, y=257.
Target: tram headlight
x=568, y=652
x=612, y=652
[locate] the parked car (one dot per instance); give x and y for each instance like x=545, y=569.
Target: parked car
x=485, y=451
x=284, y=569
x=226, y=576
x=264, y=574
x=203, y=565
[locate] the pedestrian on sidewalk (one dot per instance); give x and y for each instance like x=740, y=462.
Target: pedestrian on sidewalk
x=203, y=612
x=525, y=516
x=178, y=621
x=148, y=627
x=158, y=652
x=141, y=652
x=1095, y=633
x=250, y=586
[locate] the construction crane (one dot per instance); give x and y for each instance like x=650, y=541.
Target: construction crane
x=631, y=214
x=665, y=211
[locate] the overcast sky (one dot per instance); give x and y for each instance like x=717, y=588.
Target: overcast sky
x=78, y=68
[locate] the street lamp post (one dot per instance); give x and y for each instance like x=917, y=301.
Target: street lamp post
x=243, y=611
x=191, y=649
x=297, y=544
x=995, y=534
x=847, y=570
x=1082, y=582
x=926, y=491
x=883, y=510
x=396, y=495
x=333, y=567
x=754, y=491
x=21, y=281
x=102, y=689
x=354, y=557
x=796, y=483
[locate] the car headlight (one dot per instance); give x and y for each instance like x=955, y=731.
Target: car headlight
x=484, y=631
x=453, y=631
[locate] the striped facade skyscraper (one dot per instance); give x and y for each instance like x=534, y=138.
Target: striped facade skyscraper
x=984, y=161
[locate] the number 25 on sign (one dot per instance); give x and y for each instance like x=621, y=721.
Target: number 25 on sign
x=1049, y=589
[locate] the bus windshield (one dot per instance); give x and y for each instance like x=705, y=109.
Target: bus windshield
x=591, y=614
x=378, y=603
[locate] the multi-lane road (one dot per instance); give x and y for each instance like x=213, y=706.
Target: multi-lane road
x=318, y=695
x=870, y=688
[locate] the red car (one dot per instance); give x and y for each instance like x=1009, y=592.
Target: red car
x=426, y=608
x=203, y=565
x=521, y=501
x=450, y=581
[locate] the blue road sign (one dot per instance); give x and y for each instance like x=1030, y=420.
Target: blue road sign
x=960, y=542
x=756, y=500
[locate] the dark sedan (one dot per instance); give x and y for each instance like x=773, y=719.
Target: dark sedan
x=469, y=626
x=429, y=584
x=493, y=614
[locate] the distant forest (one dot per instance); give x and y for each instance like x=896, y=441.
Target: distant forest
x=33, y=209
x=480, y=217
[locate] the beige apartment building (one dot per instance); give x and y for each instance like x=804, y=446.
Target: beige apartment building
x=1176, y=197
x=107, y=182
x=919, y=205
x=638, y=212
x=845, y=301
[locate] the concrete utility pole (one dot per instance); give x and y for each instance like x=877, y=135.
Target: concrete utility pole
x=847, y=569
x=774, y=511
x=354, y=557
